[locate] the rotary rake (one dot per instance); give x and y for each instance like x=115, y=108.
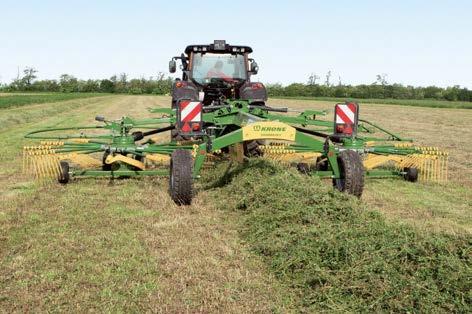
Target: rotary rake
x=345, y=150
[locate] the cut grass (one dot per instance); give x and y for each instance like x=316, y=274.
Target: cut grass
x=433, y=103
x=96, y=246
x=75, y=254
x=16, y=100
x=191, y=259
x=121, y=246
x=337, y=255
x=429, y=207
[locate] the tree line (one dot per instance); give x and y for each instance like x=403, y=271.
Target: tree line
x=161, y=84
x=366, y=91
x=27, y=82
x=379, y=89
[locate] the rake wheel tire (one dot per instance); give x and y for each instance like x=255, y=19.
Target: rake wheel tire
x=64, y=176
x=175, y=136
x=252, y=149
x=105, y=166
x=321, y=164
x=352, y=173
x=180, y=180
x=411, y=174
x=303, y=168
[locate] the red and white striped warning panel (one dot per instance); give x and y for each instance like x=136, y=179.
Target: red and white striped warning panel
x=346, y=118
x=190, y=116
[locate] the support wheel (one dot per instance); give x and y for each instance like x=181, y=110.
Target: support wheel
x=411, y=174
x=180, y=182
x=352, y=173
x=175, y=136
x=252, y=149
x=303, y=168
x=64, y=176
x=105, y=166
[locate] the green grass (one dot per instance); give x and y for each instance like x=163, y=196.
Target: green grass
x=77, y=253
x=14, y=100
x=427, y=206
x=116, y=246
x=339, y=256
x=123, y=246
x=59, y=248
x=401, y=102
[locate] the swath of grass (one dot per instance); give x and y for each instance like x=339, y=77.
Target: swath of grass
x=340, y=256
x=25, y=99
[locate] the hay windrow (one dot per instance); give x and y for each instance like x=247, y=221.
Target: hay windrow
x=336, y=254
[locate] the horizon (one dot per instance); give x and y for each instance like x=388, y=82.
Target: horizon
x=418, y=44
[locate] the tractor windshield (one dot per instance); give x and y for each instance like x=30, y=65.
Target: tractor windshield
x=223, y=66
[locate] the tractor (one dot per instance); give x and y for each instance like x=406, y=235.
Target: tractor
x=213, y=73
x=216, y=72
x=218, y=114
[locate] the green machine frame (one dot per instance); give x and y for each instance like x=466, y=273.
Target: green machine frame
x=226, y=125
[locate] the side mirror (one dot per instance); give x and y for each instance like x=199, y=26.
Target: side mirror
x=254, y=67
x=172, y=66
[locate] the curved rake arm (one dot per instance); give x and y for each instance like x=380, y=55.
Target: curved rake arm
x=36, y=134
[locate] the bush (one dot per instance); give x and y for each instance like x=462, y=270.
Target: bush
x=136, y=91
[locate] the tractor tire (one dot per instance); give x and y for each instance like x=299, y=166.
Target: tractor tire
x=180, y=180
x=64, y=176
x=411, y=174
x=352, y=173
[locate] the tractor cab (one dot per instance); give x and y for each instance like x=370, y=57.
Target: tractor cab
x=216, y=72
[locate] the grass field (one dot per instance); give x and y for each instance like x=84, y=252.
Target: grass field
x=8, y=100
x=100, y=245
x=433, y=103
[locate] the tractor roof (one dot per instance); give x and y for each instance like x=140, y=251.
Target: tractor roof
x=219, y=46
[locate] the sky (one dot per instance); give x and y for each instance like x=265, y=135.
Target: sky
x=416, y=43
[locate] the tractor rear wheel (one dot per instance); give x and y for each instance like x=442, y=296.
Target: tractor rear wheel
x=352, y=173
x=180, y=181
x=64, y=176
